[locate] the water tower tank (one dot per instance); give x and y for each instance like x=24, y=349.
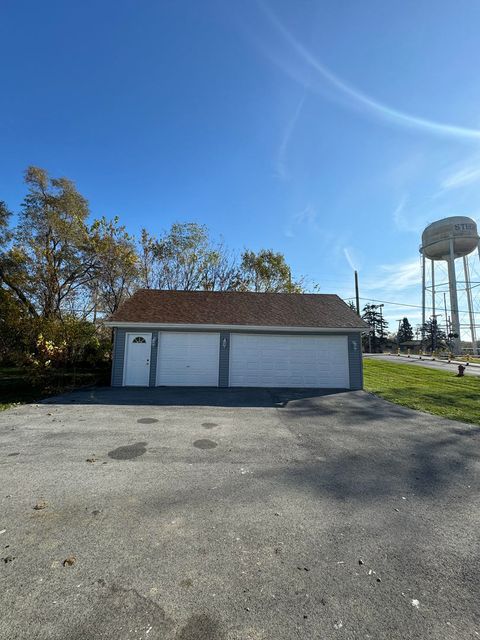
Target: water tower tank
x=436, y=238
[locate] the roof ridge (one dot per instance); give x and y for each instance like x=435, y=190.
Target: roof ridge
x=231, y=291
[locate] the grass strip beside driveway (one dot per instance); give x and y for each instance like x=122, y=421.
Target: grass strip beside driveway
x=437, y=392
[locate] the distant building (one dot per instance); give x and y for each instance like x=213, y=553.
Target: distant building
x=415, y=346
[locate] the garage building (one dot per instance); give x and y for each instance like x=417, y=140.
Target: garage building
x=236, y=339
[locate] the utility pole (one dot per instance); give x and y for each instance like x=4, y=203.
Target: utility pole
x=374, y=323
x=446, y=316
x=434, y=321
x=381, y=324
x=357, y=295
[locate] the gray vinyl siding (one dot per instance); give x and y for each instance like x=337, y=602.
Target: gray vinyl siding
x=118, y=357
x=224, y=363
x=153, y=359
x=355, y=362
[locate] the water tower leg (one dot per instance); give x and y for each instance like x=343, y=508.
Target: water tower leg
x=423, y=301
x=433, y=289
x=468, y=288
x=452, y=284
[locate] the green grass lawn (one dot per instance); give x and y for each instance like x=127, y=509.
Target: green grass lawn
x=437, y=392
x=16, y=388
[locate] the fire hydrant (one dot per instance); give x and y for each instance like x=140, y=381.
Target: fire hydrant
x=461, y=371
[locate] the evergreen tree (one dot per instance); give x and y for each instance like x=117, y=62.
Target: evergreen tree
x=435, y=337
x=405, y=331
x=373, y=316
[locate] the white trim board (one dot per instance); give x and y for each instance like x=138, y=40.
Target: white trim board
x=231, y=327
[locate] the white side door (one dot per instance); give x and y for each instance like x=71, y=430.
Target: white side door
x=136, y=370
x=289, y=361
x=188, y=359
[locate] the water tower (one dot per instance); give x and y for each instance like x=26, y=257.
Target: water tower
x=443, y=242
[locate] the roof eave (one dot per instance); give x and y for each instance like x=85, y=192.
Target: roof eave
x=229, y=327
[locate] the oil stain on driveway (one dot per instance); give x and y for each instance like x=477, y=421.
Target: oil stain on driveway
x=129, y=451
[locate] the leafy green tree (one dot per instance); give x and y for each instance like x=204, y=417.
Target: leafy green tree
x=146, y=261
x=267, y=271
x=117, y=264
x=53, y=241
x=222, y=271
x=183, y=257
x=13, y=273
x=15, y=328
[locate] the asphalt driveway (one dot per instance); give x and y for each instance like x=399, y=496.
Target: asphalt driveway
x=236, y=515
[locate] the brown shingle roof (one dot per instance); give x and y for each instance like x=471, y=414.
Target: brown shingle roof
x=238, y=308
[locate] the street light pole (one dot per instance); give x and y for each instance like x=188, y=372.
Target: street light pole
x=381, y=324
x=434, y=317
x=398, y=333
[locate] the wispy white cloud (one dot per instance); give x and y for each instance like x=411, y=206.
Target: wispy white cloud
x=398, y=217
x=392, y=278
x=307, y=217
x=348, y=253
x=357, y=98
x=282, y=170
x=468, y=174
x=410, y=218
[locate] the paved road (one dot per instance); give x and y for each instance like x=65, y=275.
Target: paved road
x=430, y=364
x=237, y=515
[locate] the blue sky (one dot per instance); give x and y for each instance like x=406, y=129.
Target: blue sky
x=330, y=131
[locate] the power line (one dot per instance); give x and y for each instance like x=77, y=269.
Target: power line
x=398, y=304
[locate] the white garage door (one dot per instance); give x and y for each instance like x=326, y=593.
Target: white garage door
x=289, y=361
x=188, y=359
